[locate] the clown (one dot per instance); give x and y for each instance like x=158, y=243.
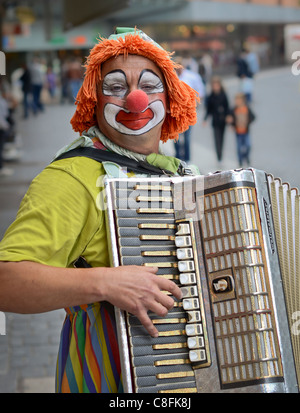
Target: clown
x=131, y=100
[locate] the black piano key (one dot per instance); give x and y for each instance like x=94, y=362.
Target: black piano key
x=154, y=381
x=132, y=184
x=126, y=242
x=136, y=331
x=136, y=251
x=132, y=203
x=136, y=232
x=170, y=270
x=146, y=351
x=125, y=193
x=130, y=213
x=144, y=371
x=176, y=358
x=134, y=222
x=143, y=260
x=149, y=341
x=174, y=313
x=132, y=251
x=181, y=387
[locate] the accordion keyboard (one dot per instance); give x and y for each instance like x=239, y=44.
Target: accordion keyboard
x=148, y=235
x=230, y=241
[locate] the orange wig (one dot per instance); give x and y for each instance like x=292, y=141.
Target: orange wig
x=182, y=98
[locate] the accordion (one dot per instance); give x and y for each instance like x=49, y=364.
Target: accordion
x=231, y=241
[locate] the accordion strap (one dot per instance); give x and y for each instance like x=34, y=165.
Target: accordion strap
x=100, y=155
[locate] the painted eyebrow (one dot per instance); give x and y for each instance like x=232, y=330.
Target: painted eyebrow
x=149, y=71
x=116, y=71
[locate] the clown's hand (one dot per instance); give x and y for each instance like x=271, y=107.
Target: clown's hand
x=139, y=290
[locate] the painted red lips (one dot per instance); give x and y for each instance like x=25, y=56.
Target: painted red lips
x=134, y=121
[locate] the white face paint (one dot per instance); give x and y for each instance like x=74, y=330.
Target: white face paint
x=136, y=124
x=118, y=117
x=115, y=83
x=139, y=131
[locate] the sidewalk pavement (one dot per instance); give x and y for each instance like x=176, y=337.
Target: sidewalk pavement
x=28, y=350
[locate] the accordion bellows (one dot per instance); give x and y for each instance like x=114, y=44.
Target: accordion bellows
x=230, y=240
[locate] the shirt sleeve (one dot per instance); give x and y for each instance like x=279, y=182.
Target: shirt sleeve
x=56, y=220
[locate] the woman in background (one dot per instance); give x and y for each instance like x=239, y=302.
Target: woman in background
x=217, y=107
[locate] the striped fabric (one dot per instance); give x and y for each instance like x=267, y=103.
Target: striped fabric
x=88, y=359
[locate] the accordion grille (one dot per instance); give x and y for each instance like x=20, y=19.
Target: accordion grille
x=245, y=331
x=285, y=206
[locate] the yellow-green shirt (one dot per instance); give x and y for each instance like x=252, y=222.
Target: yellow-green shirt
x=58, y=219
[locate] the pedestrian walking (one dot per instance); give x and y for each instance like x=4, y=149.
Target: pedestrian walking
x=25, y=80
x=217, y=107
x=37, y=81
x=252, y=61
x=245, y=75
x=4, y=127
x=51, y=82
x=240, y=117
x=194, y=80
x=75, y=77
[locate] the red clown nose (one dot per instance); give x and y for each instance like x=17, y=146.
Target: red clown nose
x=137, y=101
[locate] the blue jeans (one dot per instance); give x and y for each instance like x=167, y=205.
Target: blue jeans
x=74, y=88
x=182, y=148
x=243, y=147
x=36, y=94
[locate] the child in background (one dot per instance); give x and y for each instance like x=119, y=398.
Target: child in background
x=240, y=118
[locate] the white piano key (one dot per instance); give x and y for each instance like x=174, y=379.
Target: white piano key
x=187, y=278
x=186, y=266
x=197, y=355
x=183, y=241
x=184, y=253
x=189, y=291
x=183, y=229
x=195, y=342
x=190, y=303
x=194, y=329
x=193, y=316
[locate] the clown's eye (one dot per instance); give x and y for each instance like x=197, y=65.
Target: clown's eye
x=151, y=88
x=114, y=84
x=150, y=83
x=117, y=90
x=114, y=90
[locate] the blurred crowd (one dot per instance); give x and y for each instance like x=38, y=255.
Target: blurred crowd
x=36, y=84
x=30, y=88
x=237, y=115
